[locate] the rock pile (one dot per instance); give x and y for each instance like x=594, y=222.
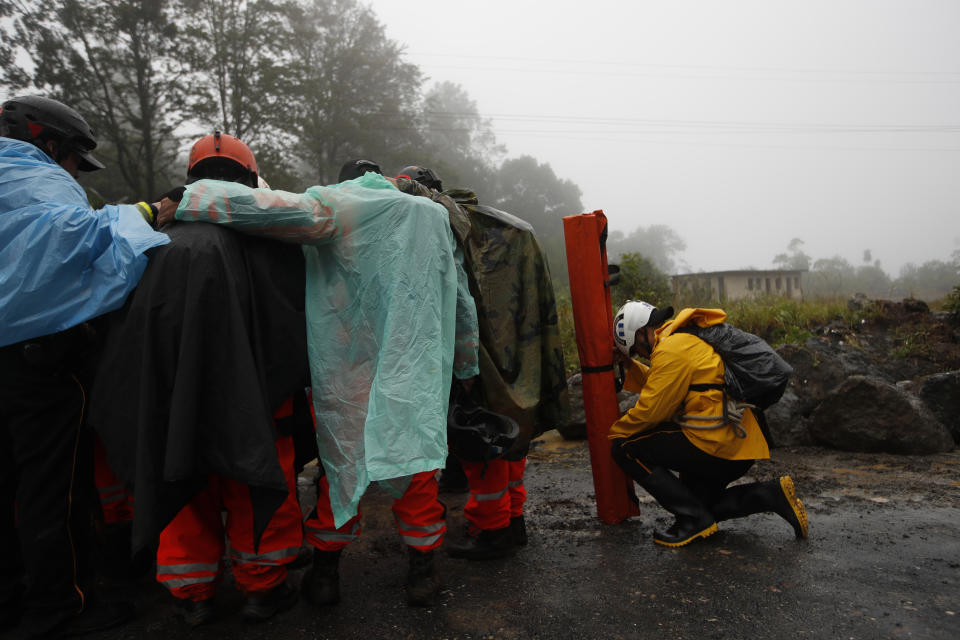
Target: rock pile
x=890, y=384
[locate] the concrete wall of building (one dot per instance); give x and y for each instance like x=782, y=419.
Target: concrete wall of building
x=736, y=285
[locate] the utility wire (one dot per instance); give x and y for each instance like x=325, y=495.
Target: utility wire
x=568, y=71
x=644, y=125
x=645, y=65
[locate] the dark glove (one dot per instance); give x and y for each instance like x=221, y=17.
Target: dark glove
x=175, y=194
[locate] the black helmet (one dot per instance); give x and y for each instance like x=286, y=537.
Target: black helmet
x=36, y=120
x=356, y=168
x=476, y=434
x=426, y=177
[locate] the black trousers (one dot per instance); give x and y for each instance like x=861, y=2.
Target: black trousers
x=666, y=446
x=46, y=485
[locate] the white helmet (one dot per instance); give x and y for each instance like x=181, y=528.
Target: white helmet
x=633, y=315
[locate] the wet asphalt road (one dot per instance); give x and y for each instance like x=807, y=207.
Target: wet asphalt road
x=882, y=561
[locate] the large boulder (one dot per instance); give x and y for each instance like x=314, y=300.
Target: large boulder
x=788, y=425
x=941, y=394
x=576, y=428
x=820, y=365
x=871, y=415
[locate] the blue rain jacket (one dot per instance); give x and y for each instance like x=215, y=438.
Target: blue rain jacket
x=389, y=314
x=61, y=262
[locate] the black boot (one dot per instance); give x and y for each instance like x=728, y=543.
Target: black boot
x=693, y=519
x=263, y=606
x=777, y=496
x=304, y=558
x=489, y=544
x=422, y=587
x=194, y=612
x=321, y=584
x=519, y=527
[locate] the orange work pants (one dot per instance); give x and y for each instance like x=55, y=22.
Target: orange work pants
x=418, y=513
x=115, y=500
x=191, y=546
x=497, y=493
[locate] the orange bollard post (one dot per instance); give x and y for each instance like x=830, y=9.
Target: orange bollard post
x=585, y=237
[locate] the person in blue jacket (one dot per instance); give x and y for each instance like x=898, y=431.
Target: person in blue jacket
x=62, y=264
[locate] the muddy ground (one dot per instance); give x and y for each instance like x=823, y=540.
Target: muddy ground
x=882, y=561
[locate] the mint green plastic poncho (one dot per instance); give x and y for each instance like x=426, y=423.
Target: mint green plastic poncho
x=389, y=319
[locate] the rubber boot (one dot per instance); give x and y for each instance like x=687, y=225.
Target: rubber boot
x=693, y=520
x=259, y=607
x=487, y=545
x=194, y=612
x=321, y=583
x=776, y=496
x=304, y=558
x=519, y=526
x=422, y=587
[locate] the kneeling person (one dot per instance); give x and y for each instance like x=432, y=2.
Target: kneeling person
x=678, y=425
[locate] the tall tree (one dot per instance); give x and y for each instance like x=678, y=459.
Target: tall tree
x=116, y=62
x=641, y=280
x=351, y=93
x=532, y=191
x=830, y=277
x=931, y=280
x=7, y=42
x=794, y=258
x=459, y=144
x=658, y=243
x=237, y=51
x=234, y=46
x=871, y=280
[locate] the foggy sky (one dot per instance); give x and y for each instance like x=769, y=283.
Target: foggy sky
x=741, y=124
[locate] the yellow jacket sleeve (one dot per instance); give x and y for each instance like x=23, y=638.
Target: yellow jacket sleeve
x=663, y=387
x=635, y=376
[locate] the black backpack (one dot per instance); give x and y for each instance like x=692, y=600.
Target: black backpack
x=753, y=372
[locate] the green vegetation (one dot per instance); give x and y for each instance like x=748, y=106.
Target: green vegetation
x=775, y=319
x=951, y=302
x=783, y=321
x=641, y=280
x=910, y=342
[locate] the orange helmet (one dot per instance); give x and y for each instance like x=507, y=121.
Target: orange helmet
x=224, y=147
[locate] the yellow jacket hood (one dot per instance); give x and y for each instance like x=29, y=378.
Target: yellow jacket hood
x=699, y=317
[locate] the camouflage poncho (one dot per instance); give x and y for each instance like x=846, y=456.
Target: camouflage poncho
x=521, y=359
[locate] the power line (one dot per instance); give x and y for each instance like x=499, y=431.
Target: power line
x=602, y=124
x=639, y=136
x=695, y=72
x=611, y=63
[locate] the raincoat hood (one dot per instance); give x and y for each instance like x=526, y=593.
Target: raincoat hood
x=688, y=316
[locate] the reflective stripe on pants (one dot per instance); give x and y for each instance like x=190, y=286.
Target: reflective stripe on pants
x=418, y=513
x=488, y=506
x=115, y=500
x=188, y=556
x=319, y=530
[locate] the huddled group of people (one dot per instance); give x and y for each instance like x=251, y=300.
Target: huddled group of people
x=391, y=328
x=410, y=340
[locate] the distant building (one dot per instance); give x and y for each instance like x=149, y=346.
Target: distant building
x=735, y=285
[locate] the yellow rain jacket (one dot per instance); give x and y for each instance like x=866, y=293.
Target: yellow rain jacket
x=677, y=361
